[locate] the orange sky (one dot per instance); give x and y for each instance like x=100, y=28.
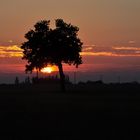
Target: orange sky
x=94, y=58
x=106, y=22
x=109, y=29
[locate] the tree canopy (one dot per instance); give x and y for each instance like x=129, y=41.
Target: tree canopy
x=52, y=46
x=47, y=46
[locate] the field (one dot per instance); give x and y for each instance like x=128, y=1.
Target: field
x=37, y=113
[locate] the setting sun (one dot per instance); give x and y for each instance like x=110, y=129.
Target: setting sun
x=47, y=70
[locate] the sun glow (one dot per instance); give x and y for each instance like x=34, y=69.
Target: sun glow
x=48, y=69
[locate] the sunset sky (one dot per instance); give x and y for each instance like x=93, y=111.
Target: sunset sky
x=109, y=29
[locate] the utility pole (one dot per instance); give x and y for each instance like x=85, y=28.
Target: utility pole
x=101, y=77
x=119, y=79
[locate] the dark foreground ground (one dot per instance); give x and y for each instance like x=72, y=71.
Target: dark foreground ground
x=35, y=113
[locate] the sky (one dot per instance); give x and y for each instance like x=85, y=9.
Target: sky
x=109, y=29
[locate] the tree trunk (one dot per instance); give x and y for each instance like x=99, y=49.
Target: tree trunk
x=62, y=77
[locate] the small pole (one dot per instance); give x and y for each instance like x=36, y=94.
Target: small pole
x=101, y=77
x=119, y=79
x=75, y=78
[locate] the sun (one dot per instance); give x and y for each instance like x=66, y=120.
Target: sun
x=47, y=70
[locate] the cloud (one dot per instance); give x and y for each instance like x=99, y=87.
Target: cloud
x=120, y=51
x=88, y=50
x=108, y=54
x=10, y=41
x=10, y=51
x=131, y=42
x=97, y=53
x=92, y=45
x=126, y=48
x=88, y=47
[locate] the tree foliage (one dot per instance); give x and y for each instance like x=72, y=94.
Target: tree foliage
x=52, y=46
x=46, y=46
x=35, y=45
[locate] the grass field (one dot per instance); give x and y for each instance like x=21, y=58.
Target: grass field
x=35, y=113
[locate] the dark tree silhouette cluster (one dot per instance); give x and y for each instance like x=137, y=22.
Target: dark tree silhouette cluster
x=47, y=46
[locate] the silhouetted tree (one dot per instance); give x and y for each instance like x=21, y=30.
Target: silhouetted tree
x=45, y=46
x=27, y=80
x=16, y=81
x=37, y=40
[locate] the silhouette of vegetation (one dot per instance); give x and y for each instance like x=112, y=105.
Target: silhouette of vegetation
x=46, y=46
x=27, y=80
x=85, y=112
x=16, y=81
x=49, y=80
